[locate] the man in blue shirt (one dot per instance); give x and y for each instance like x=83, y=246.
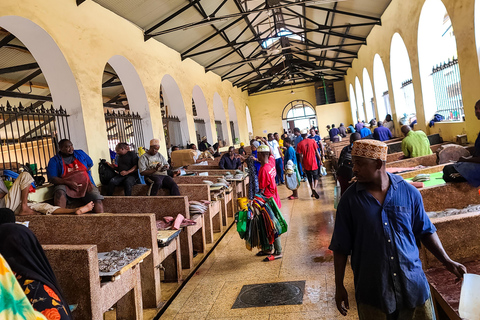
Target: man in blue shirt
x=69, y=171
x=333, y=133
x=358, y=126
x=230, y=161
x=379, y=219
x=290, y=155
x=298, y=139
x=381, y=133
x=351, y=129
x=365, y=132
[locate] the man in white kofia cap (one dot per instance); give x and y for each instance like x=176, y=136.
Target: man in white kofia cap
x=153, y=166
x=379, y=220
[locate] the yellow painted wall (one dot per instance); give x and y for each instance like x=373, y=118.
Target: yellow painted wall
x=449, y=130
x=267, y=107
x=89, y=35
x=402, y=16
x=334, y=113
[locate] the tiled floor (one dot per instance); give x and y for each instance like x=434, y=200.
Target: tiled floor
x=212, y=291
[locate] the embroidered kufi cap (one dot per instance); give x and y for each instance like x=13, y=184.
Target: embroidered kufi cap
x=371, y=149
x=155, y=142
x=263, y=148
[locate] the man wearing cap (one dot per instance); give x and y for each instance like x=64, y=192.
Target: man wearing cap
x=342, y=130
x=297, y=140
x=268, y=187
x=153, y=166
x=308, y=150
x=277, y=153
x=204, y=145
x=254, y=144
x=379, y=220
x=415, y=144
x=241, y=150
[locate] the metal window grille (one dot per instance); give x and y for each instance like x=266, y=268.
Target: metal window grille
x=194, y=108
x=200, y=129
x=124, y=127
x=448, y=90
x=407, y=88
x=232, y=129
x=29, y=136
x=386, y=101
x=173, y=131
x=219, y=127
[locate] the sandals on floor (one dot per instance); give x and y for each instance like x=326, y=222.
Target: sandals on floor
x=292, y=198
x=272, y=257
x=262, y=254
x=315, y=194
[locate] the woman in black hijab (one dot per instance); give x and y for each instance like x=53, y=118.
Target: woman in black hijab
x=26, y=258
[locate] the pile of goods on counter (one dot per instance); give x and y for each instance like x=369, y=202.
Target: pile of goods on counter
x=221, y=183
x=115, y=260
x=180, y=221
x=198, y=207
x=239, y=175
x=452, y=212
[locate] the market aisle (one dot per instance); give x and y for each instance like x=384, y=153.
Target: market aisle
x=212, y=291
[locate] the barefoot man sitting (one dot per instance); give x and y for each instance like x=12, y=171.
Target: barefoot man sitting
x=16, y=199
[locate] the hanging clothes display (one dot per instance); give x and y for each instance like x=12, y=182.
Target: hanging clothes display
x=252, y=174
x=261, y=223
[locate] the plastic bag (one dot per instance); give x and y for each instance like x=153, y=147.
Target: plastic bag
x=337, y=193
x=323, y=171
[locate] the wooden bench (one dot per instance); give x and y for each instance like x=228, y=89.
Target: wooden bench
x=449, y=195
x=229, y=200
x=191, y=237
x=114, y=232
x=194, y=192
x=76, y=269
x=461, y=240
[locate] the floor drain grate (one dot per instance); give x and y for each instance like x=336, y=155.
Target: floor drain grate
x=270, y=294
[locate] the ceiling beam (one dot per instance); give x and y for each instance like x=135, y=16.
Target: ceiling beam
x=112, y=84
x=23, y=67
x=24, y=80
x=14, y=94
x=210, y=20
x=79, y=2
x=170, y=17
x=6, y=40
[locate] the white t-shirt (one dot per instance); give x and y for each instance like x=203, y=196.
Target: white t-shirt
x=274, y=145
x=389, y=126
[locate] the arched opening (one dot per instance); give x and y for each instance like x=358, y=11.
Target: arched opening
x=368, y=94
x=174, y=115
x=438, y=63
x=359, y=98
x=249, y=123
x=232, y=115
x=381, y=88
x=299, y=114
x=353, y=105
x=125, y=104
x=220, y=121
x=402, y=84
x=203, y=126
x=35, y=72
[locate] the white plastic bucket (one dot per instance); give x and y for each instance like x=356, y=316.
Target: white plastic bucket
x=470, y=297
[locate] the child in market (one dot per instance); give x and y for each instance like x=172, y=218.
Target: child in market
x=268, y=187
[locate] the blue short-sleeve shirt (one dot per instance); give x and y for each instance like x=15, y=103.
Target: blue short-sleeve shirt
x=382, y=241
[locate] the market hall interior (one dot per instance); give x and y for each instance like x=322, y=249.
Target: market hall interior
x=100, y=72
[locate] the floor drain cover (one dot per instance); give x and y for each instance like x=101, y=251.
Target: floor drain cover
x=270, y=294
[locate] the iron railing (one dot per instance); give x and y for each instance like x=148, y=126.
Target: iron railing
x=173, y=131
x=124, y=127
x=448, y=90
x=29, y=136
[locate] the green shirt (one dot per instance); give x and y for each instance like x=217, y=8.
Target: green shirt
x=416, y=144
